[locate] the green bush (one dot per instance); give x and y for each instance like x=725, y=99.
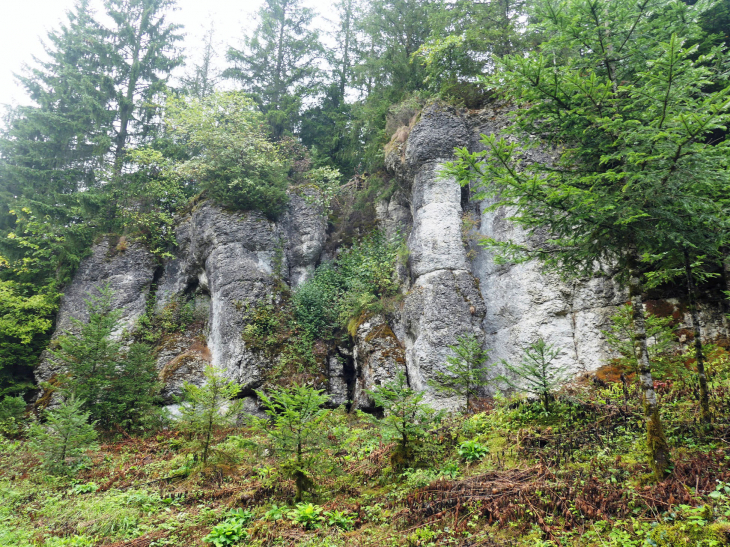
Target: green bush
x=230, y=157
x=340, y=519
x=307, y=515
x=228, y=532
x=12, y=410
x=472, y=451
x=65, y=437
x=355, y=283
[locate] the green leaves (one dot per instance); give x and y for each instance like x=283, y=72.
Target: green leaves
x=538, y=373
x=229, y=155
x=407, y=418
x=295, y=428
x=465, y=372
x=207, y=408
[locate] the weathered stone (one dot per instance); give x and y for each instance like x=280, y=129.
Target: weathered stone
x=440, y=307
x=235, y=257
x=378, y=357
x=128, y=269
x=439, y=130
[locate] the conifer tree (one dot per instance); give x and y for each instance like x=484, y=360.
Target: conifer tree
x=140, y=53
x=407, y=417
x=295, y=427
x=202, y=77
x=90, y=355
x=119, y=389
x=277, y=64
x=465, y=370
x=207, y=408
x=65, y=436
x=536, y=373
x=619, y=91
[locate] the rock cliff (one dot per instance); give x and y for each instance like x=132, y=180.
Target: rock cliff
x=226, y=261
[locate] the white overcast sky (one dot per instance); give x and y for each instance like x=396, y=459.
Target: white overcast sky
x=23, y=23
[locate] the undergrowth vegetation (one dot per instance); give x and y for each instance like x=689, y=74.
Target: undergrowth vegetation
x=512, y=474
x=294, y=328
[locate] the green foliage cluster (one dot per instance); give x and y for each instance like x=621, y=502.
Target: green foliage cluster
x=359, y=281
x=407, y=419
x=229, y=156
x=466, y=370
x=206, y=408
x=296, y=430
x=537, y=373
x=119, y=389
x=65, y=436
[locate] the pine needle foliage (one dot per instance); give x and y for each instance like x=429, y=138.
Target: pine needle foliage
x=119, y=389
x=465, y=371
x=407, y=418
x=206, y=409
x=295, y=427
x=537, y=373
x=65, y=437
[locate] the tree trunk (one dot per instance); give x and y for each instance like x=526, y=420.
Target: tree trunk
x=659, y=457
x=695, y=314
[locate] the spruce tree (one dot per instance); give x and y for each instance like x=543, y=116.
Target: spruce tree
x=277, y=64
x=296, y=429
x=465, y=370
x=90, y=355
x=536, y=373
x=206, y=409
x=64, y=437
x=140, y=53
x=618, y=91
x=407, y=418
x=202, y=77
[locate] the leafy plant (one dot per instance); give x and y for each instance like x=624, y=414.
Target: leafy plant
x=340, y=519
x=229, y=155
x=229, y=532
x=205, y=409
x=308, y=515
x=465, y=370
x=406, y=416
x=472, y=451
x=275, y=513
x=12, y=410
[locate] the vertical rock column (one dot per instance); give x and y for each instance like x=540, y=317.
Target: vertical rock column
x=444, y=301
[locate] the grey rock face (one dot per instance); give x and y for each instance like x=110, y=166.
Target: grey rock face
x=378, y=357
x=439, y=130
x=234, y=257
x=443, y=301
x=128, y=269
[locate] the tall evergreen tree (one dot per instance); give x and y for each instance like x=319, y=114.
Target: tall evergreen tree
x=140, y=54
x=277, y=64
x=623, y=99
x=203, y=77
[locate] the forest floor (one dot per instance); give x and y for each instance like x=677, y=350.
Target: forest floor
x=576, y=476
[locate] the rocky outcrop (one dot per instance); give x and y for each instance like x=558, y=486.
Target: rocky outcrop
x=127, y=268
x=444, y=300
x=236, y=258
x=227, y=261
x=378, y=358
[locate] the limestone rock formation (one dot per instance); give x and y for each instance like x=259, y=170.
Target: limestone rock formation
x=126, y=267
x=226, y=261
x=378, y=358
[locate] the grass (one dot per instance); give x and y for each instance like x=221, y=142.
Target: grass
x=576, y=477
